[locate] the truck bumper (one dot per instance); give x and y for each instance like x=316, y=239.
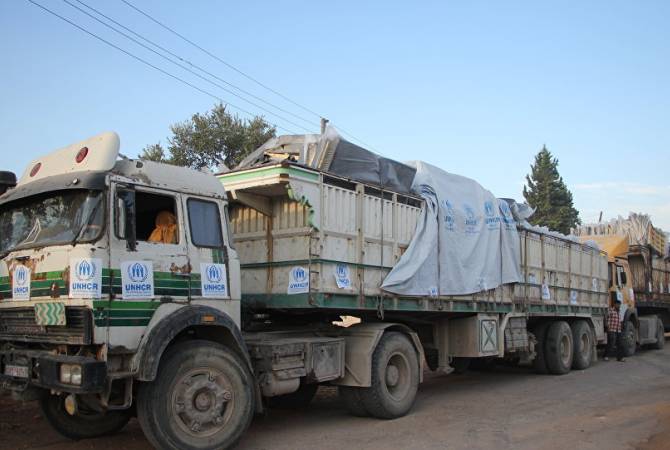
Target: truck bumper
x=23, y=369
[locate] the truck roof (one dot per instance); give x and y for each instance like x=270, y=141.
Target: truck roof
x=88, y=160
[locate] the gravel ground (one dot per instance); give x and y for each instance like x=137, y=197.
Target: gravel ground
x=610, y=406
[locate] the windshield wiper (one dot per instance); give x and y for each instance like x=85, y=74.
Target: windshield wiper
x=36, y=229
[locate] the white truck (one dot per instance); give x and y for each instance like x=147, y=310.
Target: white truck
x=132, y=287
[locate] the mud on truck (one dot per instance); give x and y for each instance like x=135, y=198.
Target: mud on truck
x=132, y=288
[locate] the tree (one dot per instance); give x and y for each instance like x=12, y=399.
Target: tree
x=548, y=194
x=206, y=140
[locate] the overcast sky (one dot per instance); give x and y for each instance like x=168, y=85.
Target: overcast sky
x=474, y=87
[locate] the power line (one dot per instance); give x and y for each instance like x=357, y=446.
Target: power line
x=182, y=59
x=185, y=67
x=241, y=72
x=147, y=15
x=143, y=61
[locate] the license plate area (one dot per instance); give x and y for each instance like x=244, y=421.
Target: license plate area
x=17, y=371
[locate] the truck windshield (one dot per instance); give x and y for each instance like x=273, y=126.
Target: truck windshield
x=65, y=217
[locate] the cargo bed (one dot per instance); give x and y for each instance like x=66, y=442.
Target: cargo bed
x=285, y=216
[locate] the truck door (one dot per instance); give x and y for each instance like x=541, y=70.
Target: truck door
x=148, y=252
x=211, y=253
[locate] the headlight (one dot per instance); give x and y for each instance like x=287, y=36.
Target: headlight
x=70, y=374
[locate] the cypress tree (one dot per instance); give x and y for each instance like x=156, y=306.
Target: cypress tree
x=547, y=193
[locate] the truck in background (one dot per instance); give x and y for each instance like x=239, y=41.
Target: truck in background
x=132, y=287
x=639, y=273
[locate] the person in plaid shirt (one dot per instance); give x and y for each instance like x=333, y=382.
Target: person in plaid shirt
x=613, y=326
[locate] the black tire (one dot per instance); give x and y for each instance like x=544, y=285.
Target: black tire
x=582, y=338
x=84, y=425
x=461, y=365
x=628, y=338
x=660, y=336
x=351, y=397
x=295, y=400
x=395, y=377
x=540, y=362
x=558, y=349
x=202, y=398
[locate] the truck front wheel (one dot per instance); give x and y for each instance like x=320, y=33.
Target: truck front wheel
x=395, y=377
x=85, y=424
x=202, y=398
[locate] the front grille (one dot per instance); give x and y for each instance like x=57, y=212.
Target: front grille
x=18, y=324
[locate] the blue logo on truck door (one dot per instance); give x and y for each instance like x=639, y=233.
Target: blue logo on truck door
x=213, y=280
x=137, y=280
x=85, y=278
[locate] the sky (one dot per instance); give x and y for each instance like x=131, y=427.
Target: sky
x=474, y=87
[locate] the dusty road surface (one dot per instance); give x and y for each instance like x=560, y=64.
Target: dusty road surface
x=610, y=406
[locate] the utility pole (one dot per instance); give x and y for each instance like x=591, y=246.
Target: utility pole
x=324, y=122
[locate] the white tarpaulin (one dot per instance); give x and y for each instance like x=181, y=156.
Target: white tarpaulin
x=465, y=241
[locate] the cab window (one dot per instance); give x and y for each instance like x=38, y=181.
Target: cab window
x=153, y=217
x=204, y=221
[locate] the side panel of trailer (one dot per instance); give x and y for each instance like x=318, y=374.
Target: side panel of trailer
x=292, y=217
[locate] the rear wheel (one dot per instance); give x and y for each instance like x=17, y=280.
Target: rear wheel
x=540, y=333
x=295, y=400
x=559, y=348
x=83, y=425
x=582, y=339
x=395, y=377
x=660, y=335
x=629, y=338
x=202, y=398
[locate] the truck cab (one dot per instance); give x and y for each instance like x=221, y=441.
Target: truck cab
x=106, y=264
x=638, y=329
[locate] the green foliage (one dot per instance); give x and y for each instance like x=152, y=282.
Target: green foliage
x=548, y=194
x=205, y=140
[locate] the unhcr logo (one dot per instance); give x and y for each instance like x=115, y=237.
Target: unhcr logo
x=214, y=274
x=299, y=280
x=449, y=216
x=491, y=220
x=299, y=274
x=471, y=220
x=507, y=215
x=85, y=270
x=21, y=276
x=213, y=280
x=21, y=284
x=138, y=272
x=85, y=278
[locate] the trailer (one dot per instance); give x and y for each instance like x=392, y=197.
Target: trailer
x=129, y=286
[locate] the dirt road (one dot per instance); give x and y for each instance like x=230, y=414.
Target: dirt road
x=610, y=406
